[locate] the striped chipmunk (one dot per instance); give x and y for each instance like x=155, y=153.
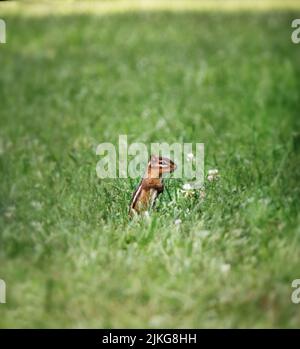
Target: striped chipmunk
x=151, y=184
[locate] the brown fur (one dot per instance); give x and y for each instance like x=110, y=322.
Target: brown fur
x=151, y=185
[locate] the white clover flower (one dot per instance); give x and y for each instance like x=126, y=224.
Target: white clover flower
x=37, y=226
x=210, y=178
x=36, y=205
x=225, y=268
x=213, y=175
x=177, y=221
x=190, y=157
x=187, y=190
x=187, y=186
x=213, y=172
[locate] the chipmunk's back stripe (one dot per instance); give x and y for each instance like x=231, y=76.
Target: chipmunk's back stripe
x=136, y=195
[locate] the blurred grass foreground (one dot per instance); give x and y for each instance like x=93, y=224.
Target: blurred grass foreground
x=74, y=74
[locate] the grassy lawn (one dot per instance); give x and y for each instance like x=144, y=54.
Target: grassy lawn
x=68, y=253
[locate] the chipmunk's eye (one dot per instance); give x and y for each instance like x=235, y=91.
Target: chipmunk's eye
x=163, y=163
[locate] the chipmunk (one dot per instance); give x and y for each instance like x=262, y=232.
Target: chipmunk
x=151, y=184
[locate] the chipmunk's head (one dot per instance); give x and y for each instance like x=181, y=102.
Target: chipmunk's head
x=159, y=165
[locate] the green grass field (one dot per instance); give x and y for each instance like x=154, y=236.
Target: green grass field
x=68, y=253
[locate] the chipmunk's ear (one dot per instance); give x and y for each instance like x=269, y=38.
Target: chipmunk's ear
x=154, y=160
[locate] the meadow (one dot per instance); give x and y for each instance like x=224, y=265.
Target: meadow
x=69, y=255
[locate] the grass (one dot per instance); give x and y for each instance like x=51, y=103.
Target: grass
x=68, y=253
